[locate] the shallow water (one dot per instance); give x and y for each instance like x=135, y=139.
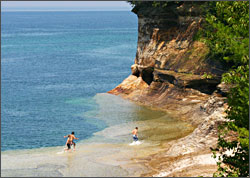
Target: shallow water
x=108, y=152
x=52, y=65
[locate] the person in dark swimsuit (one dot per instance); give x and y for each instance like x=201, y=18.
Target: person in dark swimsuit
x=135, y=134
x=70, y=139
x=68, y=143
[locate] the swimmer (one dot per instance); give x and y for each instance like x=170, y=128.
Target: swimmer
x=70, y=140
x=135, y=134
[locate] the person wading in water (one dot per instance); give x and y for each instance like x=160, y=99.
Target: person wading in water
x=135, y=135
x=70, y=140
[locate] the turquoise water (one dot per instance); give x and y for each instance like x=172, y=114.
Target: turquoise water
x=56, y=68
x=52, y=66
x=108, y=152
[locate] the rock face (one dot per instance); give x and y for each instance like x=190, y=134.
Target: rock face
x=173, y=72
x=166, y=52
x=165, y=40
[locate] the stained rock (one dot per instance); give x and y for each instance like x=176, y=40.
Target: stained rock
x=134, y=69
x=174, y=73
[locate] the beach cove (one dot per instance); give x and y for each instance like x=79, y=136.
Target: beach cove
x=55, y=75
x=108, y=151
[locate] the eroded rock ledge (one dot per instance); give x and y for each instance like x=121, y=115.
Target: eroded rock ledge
x=172, y=72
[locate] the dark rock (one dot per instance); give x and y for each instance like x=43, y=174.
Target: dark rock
x=223, y=88
x=134, y=69
x=170, y=68
x=147, y=74
x=184, y=80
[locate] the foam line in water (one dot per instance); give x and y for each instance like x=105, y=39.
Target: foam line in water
x=135, y=143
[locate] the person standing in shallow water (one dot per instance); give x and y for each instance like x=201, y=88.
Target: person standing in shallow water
x=70, y=140
x=135, y=134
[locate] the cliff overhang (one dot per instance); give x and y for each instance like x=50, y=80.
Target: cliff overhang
x=167, y=52
x=175, y=73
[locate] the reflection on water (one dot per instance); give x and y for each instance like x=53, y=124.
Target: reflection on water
x=108, y=152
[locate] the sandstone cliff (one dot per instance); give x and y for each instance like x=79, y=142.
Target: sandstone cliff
x=173, y=72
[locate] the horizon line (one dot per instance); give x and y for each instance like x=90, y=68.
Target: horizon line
x=53, y=10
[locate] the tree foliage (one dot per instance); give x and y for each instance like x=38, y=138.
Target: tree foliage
x=154, y=4
x=151, y=3
x=226, y=32
x=237, y=163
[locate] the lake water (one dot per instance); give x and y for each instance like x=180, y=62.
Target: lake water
x=56, y=68
x=53, y=64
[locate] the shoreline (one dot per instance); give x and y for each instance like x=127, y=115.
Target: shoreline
x=171, y=157
x=108, y=148
x=173, y=71
x=193, y=150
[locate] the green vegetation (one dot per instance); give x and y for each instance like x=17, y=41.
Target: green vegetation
x=226, y=33
x=163, y=4
x=207, y=76
x=153, y=3
x=237, y=164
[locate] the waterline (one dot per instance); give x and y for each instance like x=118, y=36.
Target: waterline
x=108, y=152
